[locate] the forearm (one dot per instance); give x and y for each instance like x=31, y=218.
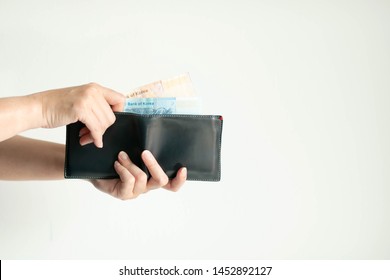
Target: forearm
x=23, y=158
x=18, y=114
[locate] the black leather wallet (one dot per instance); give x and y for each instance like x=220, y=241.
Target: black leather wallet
x=192, y=141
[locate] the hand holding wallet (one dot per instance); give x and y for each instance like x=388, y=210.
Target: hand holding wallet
x=191, y=141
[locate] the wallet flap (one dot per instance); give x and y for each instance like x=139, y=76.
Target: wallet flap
x=193, y=141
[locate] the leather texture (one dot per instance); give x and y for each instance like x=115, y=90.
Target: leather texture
x=193, y=141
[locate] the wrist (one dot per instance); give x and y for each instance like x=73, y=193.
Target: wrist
x=34, y=103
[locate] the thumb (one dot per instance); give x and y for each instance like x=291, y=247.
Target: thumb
x=115, y=99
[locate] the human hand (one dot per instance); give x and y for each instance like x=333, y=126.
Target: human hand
x=133, y=181
x=91, y=104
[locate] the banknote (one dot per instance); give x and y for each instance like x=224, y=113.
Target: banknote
x=163, y=105
x=152, y=90
x=179, y=86
x=188, y=105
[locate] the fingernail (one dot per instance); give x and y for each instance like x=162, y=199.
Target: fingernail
x=82, y=143
x=99, y=144
x=83, y=131
x=147, y=155
x=184, y=172
x=86, y=139
x=123, y=155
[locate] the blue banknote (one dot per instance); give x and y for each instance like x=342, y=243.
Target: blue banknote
x=163, y=105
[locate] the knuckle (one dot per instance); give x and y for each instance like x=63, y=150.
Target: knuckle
x=131, y=180
x=102, y=128
x=152, y=165
x=111, y=119
x=108, y=122
x=127, y=193
x=141, y=177
x=90, y=89
x=92, y=86
x=96, y=130
x=162, y=180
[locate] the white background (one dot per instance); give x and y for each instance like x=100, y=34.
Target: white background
x=304, y=90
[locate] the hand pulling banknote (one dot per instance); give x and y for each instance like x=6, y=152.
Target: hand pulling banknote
x=172, y=96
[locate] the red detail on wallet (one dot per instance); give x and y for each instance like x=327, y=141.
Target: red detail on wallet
x=221, y=118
